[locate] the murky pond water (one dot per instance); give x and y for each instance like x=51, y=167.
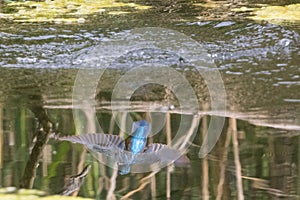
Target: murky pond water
x=54, y=76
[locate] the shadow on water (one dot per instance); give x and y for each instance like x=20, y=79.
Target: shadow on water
x=256, y=157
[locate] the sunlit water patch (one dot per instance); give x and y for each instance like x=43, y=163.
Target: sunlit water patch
x=64, y=12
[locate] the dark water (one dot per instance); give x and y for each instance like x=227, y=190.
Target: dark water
x=258, y=63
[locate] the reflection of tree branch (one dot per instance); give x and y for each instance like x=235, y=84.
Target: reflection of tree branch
x=263, y=184
x=223, y=165
x=238, y=168
x=44, y=129
x=112, y=181
x=184, y=140
x=153, y=187
x=90, y=126
x=112, y=184
x=144, y=181
x=205, y=166
x=169, y=168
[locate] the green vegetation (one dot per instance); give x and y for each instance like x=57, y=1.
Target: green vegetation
x=65, y=11
x=278, y=14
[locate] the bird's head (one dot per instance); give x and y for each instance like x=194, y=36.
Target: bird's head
x=140, y=129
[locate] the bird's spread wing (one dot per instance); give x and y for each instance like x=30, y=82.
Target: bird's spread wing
x=151, y=154
x=154, y=157
x=97, y=141
x=168, y=154
x=111, y=146
x=114, y=147
x=155, y=147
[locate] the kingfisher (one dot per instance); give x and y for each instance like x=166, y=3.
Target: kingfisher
x=127, y=152
x=137, y=140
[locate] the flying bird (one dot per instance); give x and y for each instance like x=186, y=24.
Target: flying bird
x=131, y=151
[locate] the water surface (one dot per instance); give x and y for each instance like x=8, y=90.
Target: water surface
x=258, y=63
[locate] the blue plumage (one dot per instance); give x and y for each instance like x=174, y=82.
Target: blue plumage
x=137, y=141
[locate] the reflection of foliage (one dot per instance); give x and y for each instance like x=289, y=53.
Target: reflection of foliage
x=278, y=13
x=62, y=151
x=64, y=11
x=36, y=195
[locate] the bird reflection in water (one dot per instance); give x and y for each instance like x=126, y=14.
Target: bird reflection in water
x=132, y=150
